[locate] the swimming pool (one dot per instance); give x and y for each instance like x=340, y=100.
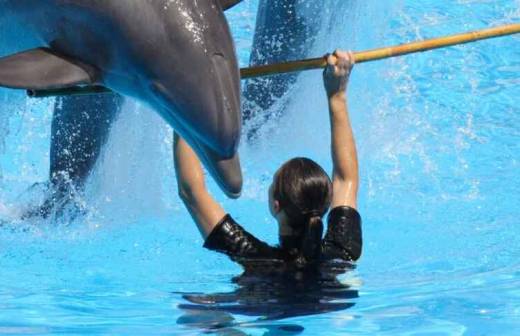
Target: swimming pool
x=438, y=136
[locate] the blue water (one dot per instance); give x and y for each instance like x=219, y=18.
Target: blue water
x=438, y=136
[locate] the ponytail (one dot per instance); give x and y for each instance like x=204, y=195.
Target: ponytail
x=310, y=248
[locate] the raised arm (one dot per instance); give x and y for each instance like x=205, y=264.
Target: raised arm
x=345, y=179
x=204, y=210
x=229, y=237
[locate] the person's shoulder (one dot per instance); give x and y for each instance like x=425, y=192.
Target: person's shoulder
x=343, y=213
x=343, y=239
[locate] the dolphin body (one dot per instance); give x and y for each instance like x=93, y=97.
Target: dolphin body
x=177, y=56
x=285, y=30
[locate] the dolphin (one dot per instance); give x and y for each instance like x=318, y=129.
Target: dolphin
x=177, y=56
x=80, y=128
x=285, y=30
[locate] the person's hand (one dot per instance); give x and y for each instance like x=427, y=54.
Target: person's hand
x=337, y=72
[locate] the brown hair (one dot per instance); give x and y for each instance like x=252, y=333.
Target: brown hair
x=304, y=191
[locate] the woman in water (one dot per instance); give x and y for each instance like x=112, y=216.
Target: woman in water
x=300, y=195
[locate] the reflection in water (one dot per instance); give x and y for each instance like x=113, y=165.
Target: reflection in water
x=270, y=299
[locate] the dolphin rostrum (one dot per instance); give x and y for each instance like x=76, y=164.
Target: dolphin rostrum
x=177, y=56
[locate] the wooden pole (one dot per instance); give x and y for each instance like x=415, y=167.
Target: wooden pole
x=388, y=52
x=318, y=63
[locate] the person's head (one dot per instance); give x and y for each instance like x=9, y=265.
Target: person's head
x=299, y=197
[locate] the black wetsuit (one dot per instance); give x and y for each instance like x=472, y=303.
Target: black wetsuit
x=271, y=287
x=342, y=242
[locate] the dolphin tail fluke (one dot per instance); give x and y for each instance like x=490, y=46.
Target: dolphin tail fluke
x=41, y=68
x=227, y=4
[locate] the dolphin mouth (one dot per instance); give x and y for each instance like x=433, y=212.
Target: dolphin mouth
x=226, y=171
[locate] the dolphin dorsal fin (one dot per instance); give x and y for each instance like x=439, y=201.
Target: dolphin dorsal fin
x=227, y=4
x=41, y=68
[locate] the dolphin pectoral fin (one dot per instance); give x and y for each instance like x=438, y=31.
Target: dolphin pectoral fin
x=41, y=68
x=226, y=172
x=227, y=4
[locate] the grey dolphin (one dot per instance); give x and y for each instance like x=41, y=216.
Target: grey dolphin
x=176, y=55
x=285, y=30
x=80, y=128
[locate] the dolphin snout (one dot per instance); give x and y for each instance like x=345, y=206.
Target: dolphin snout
x=202, y=103
x=226, y=172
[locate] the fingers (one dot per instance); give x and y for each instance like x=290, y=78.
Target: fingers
x=352, y=57
x=344, y=58
x=339, y=63
x=331, y=59
x=331, y=64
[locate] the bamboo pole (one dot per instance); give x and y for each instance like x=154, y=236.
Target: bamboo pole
x=318, y=63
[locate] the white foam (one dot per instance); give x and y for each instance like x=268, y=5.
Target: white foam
x=9, y=212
